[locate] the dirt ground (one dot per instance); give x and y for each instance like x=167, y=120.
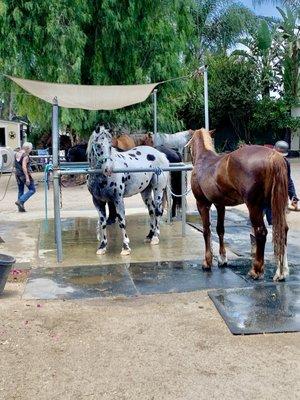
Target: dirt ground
x=173, y=346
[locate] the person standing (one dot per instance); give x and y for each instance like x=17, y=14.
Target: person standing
x=23, y=175
x=283, y=148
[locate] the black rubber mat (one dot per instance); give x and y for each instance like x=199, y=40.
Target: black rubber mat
x=126, y=280
x=266, y=308
x=180, y=276
x=241, y=266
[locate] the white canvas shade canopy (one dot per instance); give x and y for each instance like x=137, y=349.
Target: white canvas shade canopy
x=87, y=97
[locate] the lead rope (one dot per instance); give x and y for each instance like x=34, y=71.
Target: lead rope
x=159, y=171
x=6, y=189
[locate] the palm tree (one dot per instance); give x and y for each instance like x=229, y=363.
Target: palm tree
x=220, y=23
x=290, y=36
x=261, y=49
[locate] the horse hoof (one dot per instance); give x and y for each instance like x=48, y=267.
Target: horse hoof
x=206, y=268
x=147, y=240
x=278, y=278
x=154, y=240
x=100, y=252
x=125, y=252
x=255, y=275
x=222, y=261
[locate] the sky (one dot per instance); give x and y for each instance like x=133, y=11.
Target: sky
x=267, y=10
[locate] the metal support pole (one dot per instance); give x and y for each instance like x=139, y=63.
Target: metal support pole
x=154, y=115
x=56, y=190
x=206, y=97
x=183, y=202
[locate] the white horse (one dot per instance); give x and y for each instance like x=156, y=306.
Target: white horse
x=107, y=186
x=174, y=140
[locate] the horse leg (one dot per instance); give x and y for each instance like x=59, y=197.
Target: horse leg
x=222, y=259
x=101, y=226
x=260, y=232
x=112, y=215
x=278, y=275
x=120, y=208
x=204, y=209
x=147, y=198
x=159, y=188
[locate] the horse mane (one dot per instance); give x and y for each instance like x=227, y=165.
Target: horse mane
x=89, y=146
x=207, y=140
x=205, y=136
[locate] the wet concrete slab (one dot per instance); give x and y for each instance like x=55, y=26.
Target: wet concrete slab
x=126, y=280
x=20, y=240
x=267, y=308
x=80, y=243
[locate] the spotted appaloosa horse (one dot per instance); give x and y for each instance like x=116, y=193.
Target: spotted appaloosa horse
x=107, y=186
x=254, y=175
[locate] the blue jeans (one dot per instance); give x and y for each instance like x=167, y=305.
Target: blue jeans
x=21, y=186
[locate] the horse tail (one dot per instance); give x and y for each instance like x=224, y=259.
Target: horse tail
x=279, y=197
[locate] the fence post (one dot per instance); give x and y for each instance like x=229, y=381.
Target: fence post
x=183, y=203
x=154, y=116
x=56, y=190
x=206, y=97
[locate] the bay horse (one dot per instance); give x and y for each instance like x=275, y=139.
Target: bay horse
x=109, y=187
x=254, y=175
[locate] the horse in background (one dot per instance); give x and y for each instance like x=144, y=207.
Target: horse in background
x=107, y=187
x=176, y=140
x=254, y=175
x=45, y=142
x=77, y=153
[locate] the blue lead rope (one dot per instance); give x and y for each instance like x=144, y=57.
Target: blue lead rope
x=47, y=170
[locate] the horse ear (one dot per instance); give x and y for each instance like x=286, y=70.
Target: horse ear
x=212, y=133
x=189, y=142
x=149, y=135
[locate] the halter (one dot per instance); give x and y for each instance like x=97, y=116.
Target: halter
x=99, y=159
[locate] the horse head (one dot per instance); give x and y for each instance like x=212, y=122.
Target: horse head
x=99, y=149
x=147, y=140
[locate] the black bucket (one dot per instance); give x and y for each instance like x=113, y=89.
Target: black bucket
x=6, y=262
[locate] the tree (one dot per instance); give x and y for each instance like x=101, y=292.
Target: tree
x=262, y=51
x=233, y=90
x=290, y=35
x=220, y=23
x=102, y=42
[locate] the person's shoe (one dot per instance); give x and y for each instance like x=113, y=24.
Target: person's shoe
x=293, y=206
x=20, y=206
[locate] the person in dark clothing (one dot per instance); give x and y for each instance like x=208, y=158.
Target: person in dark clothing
x=23, y=175
x=283, y=148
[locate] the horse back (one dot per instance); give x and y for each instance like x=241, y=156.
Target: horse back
x=237, y=177
x=246, y=173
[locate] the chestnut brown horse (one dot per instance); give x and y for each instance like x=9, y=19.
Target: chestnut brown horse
x=254, y=175
x=123, y=142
